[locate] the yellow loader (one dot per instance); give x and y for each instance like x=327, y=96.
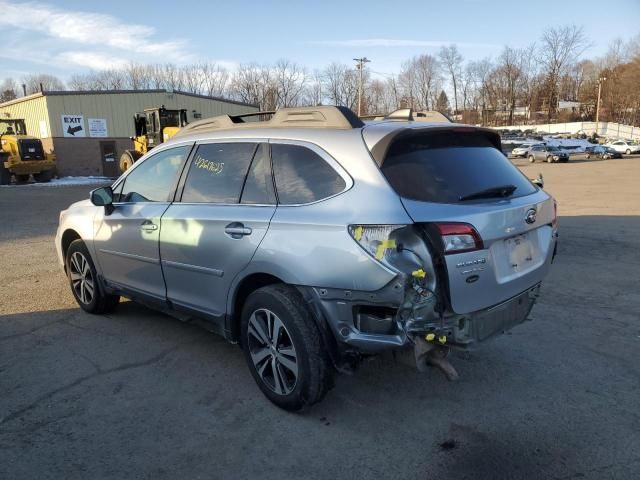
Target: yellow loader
x=23, y=155
x=152, y=127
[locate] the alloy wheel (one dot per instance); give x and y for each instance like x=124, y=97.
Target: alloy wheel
x=82, y=279
x=272, y=351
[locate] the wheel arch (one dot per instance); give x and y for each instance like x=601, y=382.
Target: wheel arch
x=68, y=236
x=255, y=280
x=238, y=295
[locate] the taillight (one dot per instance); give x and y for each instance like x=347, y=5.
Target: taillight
x=554, y=222
x=459, y=238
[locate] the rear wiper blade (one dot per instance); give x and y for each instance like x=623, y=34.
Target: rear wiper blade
x=493, y=192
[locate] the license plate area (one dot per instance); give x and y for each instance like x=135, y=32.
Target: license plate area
x=515, y=256
x=520, y=251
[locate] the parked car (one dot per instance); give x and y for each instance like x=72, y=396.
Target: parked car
x=547, y=153
x=523, y=150
x=314, y=240
x=603, y=152
x=624, y=146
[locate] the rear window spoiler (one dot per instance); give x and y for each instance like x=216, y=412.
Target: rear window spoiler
x=379, y=142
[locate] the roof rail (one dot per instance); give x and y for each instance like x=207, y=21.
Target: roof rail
x=407, y=114
x=303, y=117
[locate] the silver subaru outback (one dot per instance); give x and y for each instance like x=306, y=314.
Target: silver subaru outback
x=313, y=240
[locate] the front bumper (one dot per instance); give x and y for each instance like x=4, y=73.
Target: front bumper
x=460, y=330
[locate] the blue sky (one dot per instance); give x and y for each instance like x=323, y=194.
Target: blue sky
x=66, y=37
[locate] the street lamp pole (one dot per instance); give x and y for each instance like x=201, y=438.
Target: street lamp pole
x=360, y=66
x=600, y=81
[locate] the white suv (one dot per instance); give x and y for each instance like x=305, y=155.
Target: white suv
x=624, y=146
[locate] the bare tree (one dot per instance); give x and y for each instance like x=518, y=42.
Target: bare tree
x=36, y=81
x=341, y=84
x=289, y=81
x=216, y=80
x=560, y=48
x=452, y=61
x=8, y=90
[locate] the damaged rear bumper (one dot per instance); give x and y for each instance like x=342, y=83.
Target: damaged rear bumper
x=368, y=322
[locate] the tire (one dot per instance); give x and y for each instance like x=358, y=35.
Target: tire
x=84, y=283
x=22, y=178
x=126, y=161
x=532, y=159
x=628, y=152
x=549, y=159
x=300, y=377
x=5, y=174
x=43, y=177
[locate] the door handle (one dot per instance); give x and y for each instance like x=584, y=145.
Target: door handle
x=237, y=230
x=148, y=226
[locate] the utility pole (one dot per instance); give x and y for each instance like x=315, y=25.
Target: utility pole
x=600, y=81
x=360, y=66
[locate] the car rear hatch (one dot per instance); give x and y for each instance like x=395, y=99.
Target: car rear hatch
x=493, y=229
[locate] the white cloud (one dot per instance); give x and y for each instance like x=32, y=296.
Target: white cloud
x=70, y=32
x=392, y=42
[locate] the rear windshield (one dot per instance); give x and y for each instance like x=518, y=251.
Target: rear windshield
x=444, y=167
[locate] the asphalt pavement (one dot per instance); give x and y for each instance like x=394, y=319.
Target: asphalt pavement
x=137, y=394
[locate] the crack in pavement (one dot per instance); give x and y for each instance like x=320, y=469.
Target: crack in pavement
x=99, y=372
x=33, y=330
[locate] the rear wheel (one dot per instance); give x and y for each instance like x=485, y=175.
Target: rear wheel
x=83, y=280
x=22, y=178
x=43, y=177
x=531, y=159
x=283, y=348
x=549, y=159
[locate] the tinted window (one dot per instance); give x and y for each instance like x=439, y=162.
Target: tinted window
x=258, y=188
x=302, y=176
x=217, y=172
x=153, y=180
x=446, y=166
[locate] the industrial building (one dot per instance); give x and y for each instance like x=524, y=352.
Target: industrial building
x=88, y=130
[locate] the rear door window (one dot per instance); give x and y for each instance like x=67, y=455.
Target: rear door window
x=303, y=176
x=444, y=167
x=217, y=172
x=258, y=188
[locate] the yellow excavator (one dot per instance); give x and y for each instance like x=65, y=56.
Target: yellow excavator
x=23, y=155
x=152, y=127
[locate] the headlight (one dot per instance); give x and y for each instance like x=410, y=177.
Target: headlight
x=376, y=240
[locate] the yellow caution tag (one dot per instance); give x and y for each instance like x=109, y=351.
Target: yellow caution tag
x=419, y=273
x=383, y=247
x=442, y=339
x=429, y=337
x=357, y=233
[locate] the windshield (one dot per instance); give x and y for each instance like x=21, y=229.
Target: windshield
x=445, y=167
x=12, y=127
x=169, y=118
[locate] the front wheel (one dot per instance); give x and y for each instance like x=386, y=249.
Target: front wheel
x=127, y=159
x=83, y=280
x=628, y=151
x=531, y=159
x=283, y=348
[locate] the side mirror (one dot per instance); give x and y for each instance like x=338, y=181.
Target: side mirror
x=103, y=197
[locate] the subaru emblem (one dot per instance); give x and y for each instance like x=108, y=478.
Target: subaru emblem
x=530, y=217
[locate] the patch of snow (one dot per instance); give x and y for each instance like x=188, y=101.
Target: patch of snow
x=67, y=181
